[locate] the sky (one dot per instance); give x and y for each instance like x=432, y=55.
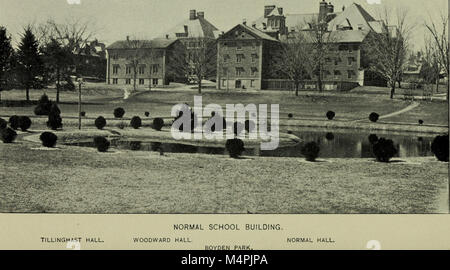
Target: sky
x=115, y=19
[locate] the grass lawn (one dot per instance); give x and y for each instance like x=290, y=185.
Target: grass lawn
x=101, y=99
x=82, y=180
x=435, y=113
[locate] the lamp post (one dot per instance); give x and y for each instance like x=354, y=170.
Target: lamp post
x=80, y=82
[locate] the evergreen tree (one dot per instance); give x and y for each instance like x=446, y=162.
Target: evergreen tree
x=29, y=60
x=6, y=56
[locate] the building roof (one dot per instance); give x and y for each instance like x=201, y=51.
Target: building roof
x=254, y=32
x=356, y=17
x=199, y=27
x=344, y=36
x=157, y=43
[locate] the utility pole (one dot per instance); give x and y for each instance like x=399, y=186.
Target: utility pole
x=80, y=82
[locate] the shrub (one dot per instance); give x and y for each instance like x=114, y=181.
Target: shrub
x=24, y=123
x=119, y=112
x=101, y=143
x=420, y=122
x=3, y=123
x=374, y=117
x=54, y=109
x=439, y=147
x=289, y=132
x=48, y=139
x=155, y=146
x=329, y=136
x=249, y=126
x=235, y=147
x=310, y=151
x=384, y=150
x=82, y=114
x=373, y=138
x=147, y=114
x=8, y=135
x=100, y=122
x=290, y=115
x=44, y=106
x=158, y=123
x=330, y=115
x=136, y=122
x=135, y=145
x=54, y=121
x=238, y=127
x=14, y=122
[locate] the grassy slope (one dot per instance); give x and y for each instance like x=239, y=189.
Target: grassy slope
x=85, y=181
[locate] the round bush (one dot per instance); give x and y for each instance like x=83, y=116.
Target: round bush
x=374, y=117
x=330, y=115
x=439, y=147
x=82, y=114
x=3, y=123
x=8, y=135
x=135, y=145
x=290, y=115
x=155, y=146
x=54, y=121
x=101, y=143
x=147, y=114
x=235, y=147
x=100, y=122
x=420, y=122
x=249, y=126
x=329, y=136
x=289, y=132
x=24, y=123
x=158, y=123
x=373, y=138
x=54, y=109
x=384, y=150
x=238, y=127
x=48, y=139
x=136, y=122
x=14, y=122
x=310, y=151
x=119, y=112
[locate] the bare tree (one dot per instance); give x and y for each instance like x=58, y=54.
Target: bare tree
x=294, y=57
x=387, y=51
x=202, y=59
x=139, y=53
x=441, y=43
x=430, y=70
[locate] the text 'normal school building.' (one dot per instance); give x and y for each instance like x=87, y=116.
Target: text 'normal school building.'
x=244, y=52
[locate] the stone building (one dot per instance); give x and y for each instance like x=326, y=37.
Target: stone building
x=154, y=59
x=347, y=28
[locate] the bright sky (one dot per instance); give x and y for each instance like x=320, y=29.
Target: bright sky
x=115, y=19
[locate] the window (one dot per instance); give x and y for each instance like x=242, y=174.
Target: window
x=239, y=71
x=253, y=45
x=239, y=58
x=115, y=80
x=254, y=71
x=142, y=69
x=127, y=81
x=224, y=82
x=337, y=60
x=225, y=71
x=343, y=47
x=254, y=57
x=337, y=73
x=128, y=71
x=115, y=56
x=239, y=46
x=252, y=83
x=350, y=74
x=155, y=81
x=225, y=58
x=115, y=69
x=141, y=81
x=155, y=68
x=351, y=60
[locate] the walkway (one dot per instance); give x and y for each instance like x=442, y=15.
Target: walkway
x=412, y=106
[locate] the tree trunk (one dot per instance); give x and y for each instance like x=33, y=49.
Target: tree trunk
x=393, y=90
x=447, y=88
x=58, y=80
x=296, y=88
x=437, y=83
x=199, y=86
x=134, y=81
x=28, y=93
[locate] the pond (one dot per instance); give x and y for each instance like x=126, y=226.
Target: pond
x=345, y=144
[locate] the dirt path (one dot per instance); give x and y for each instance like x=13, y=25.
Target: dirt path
x=412, y=106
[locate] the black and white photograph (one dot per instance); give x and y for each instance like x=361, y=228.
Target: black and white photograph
x=224, y=107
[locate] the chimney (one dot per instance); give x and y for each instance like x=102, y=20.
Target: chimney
x=128, y=38
x=330, y=8
x=343, y=8
x=254, y=25
x=167, y=36
x=192, y=14
x=244, y=21
x=267, y=10
x=201, y=14
x=323, y=11
x=186, y=29
x=280, y=10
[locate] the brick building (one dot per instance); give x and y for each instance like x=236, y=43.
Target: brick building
x=343, y=69
x=153, y=69
x=243, y=54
